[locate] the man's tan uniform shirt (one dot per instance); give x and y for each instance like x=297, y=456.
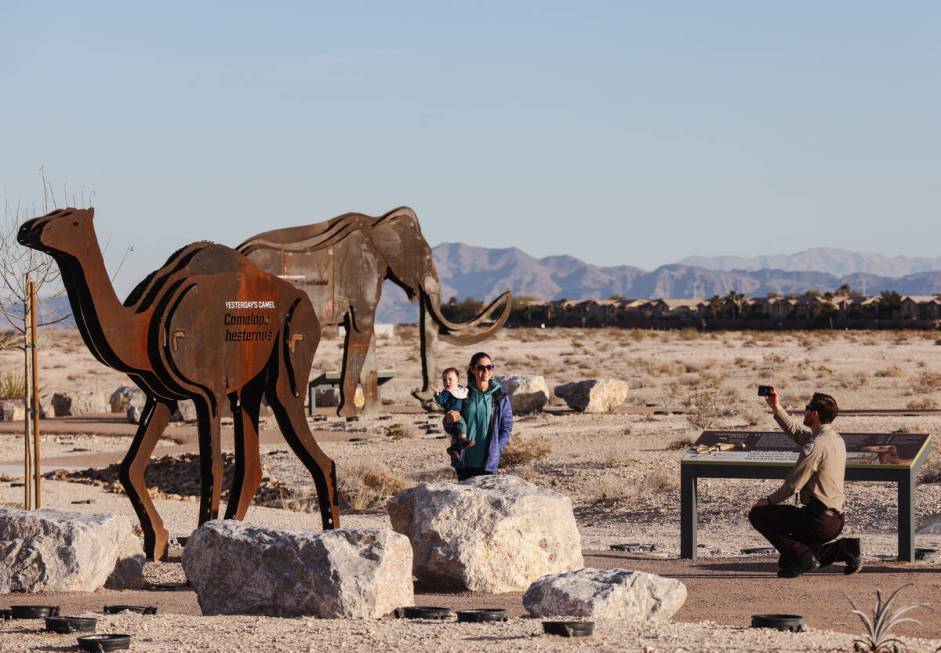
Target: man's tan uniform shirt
x=820, y=467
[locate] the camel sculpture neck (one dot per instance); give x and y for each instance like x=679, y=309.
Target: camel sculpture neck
x=115, y=330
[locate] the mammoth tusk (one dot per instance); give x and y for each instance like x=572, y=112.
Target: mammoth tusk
x=457, y=334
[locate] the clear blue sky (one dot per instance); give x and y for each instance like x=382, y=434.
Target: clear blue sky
x=621, y=133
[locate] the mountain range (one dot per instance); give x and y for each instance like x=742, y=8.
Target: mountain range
x=483, y=273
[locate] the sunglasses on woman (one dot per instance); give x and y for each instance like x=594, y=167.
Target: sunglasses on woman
x=485, y=368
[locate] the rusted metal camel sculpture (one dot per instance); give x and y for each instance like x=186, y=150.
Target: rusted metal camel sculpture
x=208, y=326
x=341, y=265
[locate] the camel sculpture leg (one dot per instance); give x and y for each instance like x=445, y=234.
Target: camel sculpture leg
x=288, y=406
x=153, y=420
x=210, y=459
x=247, y=474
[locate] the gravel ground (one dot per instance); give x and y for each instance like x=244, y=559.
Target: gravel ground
x=179, y=634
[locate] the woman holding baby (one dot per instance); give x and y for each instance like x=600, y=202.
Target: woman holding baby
x=488, y=421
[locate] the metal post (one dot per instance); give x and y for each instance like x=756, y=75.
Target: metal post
x=688, y=513
x=906, y=519
x=34, y=393
x=27, y=459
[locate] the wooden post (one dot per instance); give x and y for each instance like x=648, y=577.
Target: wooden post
x=34, y=393
x=27, y=462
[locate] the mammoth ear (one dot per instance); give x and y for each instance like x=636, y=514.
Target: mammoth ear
x=395, y=231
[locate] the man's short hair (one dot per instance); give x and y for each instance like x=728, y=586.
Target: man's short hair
x=826, y=407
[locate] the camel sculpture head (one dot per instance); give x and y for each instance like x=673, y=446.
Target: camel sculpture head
x=64, y=230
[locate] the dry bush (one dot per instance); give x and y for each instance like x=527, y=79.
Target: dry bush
x=774, y=360
x=928, y=382
x=399, y=431
x=923, y=404
x=823, y=370
x=522, y=451
x=890, y=372
x=12, y=385
x=659, y=481
x=854, y=380
x=367, y=487
x=681, y=444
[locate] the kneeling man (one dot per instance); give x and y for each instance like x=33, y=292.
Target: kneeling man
x=803, y=534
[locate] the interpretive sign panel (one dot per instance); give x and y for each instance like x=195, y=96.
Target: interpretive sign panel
x=896, y=450
x=889, y=457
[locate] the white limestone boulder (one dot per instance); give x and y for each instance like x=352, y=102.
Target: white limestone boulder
x=593, y=395
x=186, y=412
x=528, y=392
x=120, y=398
x=606, y=594
x=79, y=402
x=55, y=551
x=488, y=534
x=238, y=568
x=135, y=405
x=12, y=410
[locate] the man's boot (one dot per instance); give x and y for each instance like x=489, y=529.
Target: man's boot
x=805, y=563
x=853, y=555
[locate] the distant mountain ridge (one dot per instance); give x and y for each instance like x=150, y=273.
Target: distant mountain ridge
x=840, y=262
x=483, y=273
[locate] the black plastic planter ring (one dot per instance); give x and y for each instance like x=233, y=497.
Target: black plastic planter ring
x=792, y=622
x=481, y=616
x=139, y=609
x=66, y=625
x=34, y=611
x=101, y=643
x=422, y=612
x=569, y=628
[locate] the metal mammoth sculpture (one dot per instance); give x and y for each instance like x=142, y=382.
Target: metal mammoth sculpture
x=342, y=263
x=208, y=326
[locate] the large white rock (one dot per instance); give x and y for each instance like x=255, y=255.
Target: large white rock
x=528, y=392
x=79, y=402
x=606, y=594
x=238, y=568
x=12, y=410
x=135, y=405
x=54, y=551
x=487, y=534
x=120, y=398
x=593, y=395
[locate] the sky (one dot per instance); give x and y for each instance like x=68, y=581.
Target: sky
x=632, y=133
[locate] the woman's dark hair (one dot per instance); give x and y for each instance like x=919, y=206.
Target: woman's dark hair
x=473, y=363
x=826, y=407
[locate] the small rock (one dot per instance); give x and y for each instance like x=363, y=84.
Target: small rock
x=488, y=534
x=185, y=412
x=135, y=405
x=238, y=568
x=528, y=392
x=55, y=551
x=606, y=594
x=593, y=395
x=12, y=410
x=120, y=398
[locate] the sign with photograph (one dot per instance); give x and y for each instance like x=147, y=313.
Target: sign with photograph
x=881, y=450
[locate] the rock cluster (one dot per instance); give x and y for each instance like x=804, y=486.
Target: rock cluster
x=54, y=551
x=528, y=392
x=606, y=594
x=593, y=395
x=238, y=568
x=12, y=410
x=488, y=534
x=79, y=402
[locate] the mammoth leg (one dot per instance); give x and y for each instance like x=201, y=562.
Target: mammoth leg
x=247, y=474
x=370, y=378
x=355, y=349
x=428, y=333
x=153, y=420
x=210, y=459
x=288, y=408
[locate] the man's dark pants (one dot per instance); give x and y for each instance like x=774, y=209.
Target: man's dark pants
x=795, y=532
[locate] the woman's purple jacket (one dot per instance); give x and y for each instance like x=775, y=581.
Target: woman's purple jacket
x=501, y=425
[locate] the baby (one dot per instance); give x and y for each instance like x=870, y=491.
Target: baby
x=451, y=397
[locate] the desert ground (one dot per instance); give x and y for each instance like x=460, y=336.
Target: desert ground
x=621, y=471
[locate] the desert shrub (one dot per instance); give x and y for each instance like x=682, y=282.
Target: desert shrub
x=774, y=360
x=928, y=382
x=399, y=431
x=892, y=372
x=659, y=481
x=12, y=385
x=367, y=487
x=923, y=404
x=856, y=380
x=680, y=444
x=522, y=451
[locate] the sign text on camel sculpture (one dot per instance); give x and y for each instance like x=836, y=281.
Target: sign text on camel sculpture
x=341, y=265
x=211, y=327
